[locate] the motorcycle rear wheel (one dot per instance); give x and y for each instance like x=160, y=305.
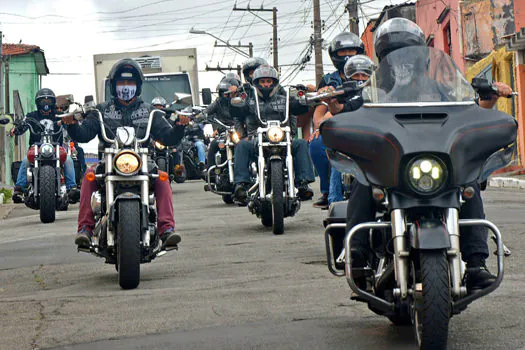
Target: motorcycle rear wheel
x=431, y=309
x=47, y=188
x=128, y=251
x=277, y=197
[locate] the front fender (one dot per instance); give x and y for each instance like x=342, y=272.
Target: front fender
x=429, y=234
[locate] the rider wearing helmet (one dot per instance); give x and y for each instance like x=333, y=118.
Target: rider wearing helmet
x=272, y=104
x=159, y=102
x=399, y=33
x=45, y=101
x=250, y=65
x=220, y=109
x=343, y=46
x=126, y=108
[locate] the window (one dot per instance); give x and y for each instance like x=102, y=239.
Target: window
x=447, y=39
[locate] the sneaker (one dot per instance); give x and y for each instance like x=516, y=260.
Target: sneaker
x=18, y=194
x=83, y=237
x=322, y=202
x=240, y=194
x=73, y=194
x=305, y=193
x=170, y=239
x=477, y=276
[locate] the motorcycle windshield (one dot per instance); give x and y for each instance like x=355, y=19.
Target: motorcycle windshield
x=418, y=74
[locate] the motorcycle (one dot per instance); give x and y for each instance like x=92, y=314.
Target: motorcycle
x=187, y=152
x=222, y=183
x=273, y=196
x=46, y=191
x=126, y=232
x=421, y=148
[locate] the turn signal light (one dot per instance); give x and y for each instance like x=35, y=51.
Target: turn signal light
x=378, y=194
x=90, y=176
x=163, y=176
x=300, y=93
x=469, y=192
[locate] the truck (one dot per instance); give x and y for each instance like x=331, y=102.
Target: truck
x=171, y=74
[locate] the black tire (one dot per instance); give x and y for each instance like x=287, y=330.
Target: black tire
x=128, y=250
x=266, y=214
x=48, y=183
x=432, y=308
x=227, y=198
x=277, y=179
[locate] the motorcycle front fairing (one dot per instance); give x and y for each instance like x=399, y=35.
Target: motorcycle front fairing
x=385, y=135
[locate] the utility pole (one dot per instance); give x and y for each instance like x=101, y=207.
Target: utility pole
x=2, y=133
x=275, y=40
x=1, y=77
x=318, y=49
x=353, y=16
x=249, y=46
x=221, y=69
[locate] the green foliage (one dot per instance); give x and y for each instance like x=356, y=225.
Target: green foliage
x=8, y=194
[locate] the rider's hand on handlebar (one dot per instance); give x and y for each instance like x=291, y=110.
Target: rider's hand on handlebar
x=183, y=120
x=69, y=120
x=503, y=89
x=325, y=89
x=12, y=132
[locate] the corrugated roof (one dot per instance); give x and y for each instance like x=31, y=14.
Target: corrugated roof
x=23, y=49
x=18, y=49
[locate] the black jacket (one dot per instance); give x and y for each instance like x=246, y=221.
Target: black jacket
x=136, y=115
x=35, y=138
x=247, y=122
x=220, y=109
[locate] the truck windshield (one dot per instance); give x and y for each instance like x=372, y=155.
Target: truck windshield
x=164, y=85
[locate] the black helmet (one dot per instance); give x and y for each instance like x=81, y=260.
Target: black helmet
x=266, y=71
x=359, y=64
x=232, y=75
x=397, y=33
x=251, y=63
x=126, y=69
x=45, y=101
x=225, y=84
x=344, y=41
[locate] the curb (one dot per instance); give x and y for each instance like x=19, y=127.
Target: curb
x=506, y=182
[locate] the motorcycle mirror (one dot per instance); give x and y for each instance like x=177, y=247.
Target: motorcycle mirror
x=206, y=96
x=181, y=97
x=4, y=121
x=238, y=102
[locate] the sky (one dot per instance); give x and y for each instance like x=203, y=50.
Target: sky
x=70, y=32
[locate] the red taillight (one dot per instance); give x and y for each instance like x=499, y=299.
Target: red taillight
x=300, y=93
x=243, y=95
x=63, y=155
x=31, y=155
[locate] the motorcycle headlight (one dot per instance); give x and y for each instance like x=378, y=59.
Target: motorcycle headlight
x=47, y=150
x=426, y=175
x=159, y=145
x=127, y=163
x=275, y=134
x=235, y=137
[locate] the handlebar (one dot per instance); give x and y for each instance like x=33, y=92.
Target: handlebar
x=286, y=111
x=146, y=135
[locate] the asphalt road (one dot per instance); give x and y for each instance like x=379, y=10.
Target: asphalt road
x=232, y=285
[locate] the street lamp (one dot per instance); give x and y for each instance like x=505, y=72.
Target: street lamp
x=233, y=48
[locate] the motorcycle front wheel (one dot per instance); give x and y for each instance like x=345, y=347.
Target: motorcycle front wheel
x=128, y=251
x=47, y=190
x=277, y=179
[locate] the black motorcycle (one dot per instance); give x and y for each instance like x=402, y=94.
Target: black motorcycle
x=219, y=177
x=186, y=149
x=126, y=231
x=421, y=144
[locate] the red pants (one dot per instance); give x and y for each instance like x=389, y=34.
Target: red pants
x=165, y=218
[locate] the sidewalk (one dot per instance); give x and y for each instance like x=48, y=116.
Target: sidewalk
x=508, y=181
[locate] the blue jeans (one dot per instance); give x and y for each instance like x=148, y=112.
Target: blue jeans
x=321, y=163
x=201, y=151
x=245, y=152
x=336, y=187
x=69, y=173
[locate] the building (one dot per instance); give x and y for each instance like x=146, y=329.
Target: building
x=24, y=66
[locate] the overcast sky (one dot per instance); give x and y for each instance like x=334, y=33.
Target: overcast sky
x=71, y=31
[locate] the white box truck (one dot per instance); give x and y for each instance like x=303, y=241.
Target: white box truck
x=167, y=72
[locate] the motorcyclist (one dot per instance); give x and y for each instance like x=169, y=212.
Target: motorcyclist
x=45, y=101
x=249, y=66
x=126, y=108
x=341, y=48
x=272, y=106
x=63, y=103
x=220, y=109
x=394, y=34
